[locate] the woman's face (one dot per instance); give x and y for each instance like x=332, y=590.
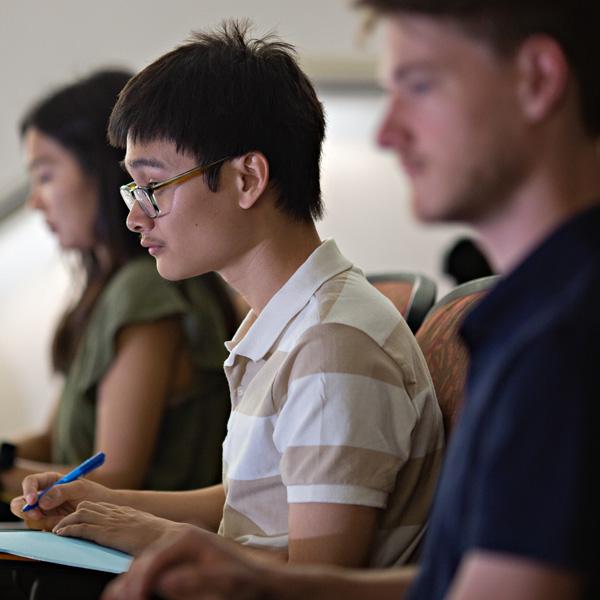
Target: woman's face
x=65, y=194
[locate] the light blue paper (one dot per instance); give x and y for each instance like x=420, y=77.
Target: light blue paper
x=48, y=547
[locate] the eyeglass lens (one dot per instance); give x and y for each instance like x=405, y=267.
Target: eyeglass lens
x=142, y=197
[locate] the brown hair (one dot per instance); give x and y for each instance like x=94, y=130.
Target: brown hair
x=506, y=23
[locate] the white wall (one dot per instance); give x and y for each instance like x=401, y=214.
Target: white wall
x=44, y=43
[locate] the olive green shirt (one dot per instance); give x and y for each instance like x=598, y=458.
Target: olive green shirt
x=189, y=445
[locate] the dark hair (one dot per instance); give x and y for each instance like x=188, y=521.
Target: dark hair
x=506, y=23
x=222, y=94
x=77, y=116
x=464, y=261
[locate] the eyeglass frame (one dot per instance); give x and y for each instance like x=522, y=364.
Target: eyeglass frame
x=127, y=190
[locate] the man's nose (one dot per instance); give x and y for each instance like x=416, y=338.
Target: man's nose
x=391, y=130
x=137, y=220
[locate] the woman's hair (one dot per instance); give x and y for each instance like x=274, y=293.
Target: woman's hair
x=77, y=117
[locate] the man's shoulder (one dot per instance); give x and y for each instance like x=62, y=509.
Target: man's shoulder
x=349, y=299
x=350, y=327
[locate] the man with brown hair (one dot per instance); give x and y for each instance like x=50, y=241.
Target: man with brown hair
x=494, y=113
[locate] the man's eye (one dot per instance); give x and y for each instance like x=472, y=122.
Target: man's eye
x=420, y=86
x=42, y=178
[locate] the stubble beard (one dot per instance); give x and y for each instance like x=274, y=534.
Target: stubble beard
x=485, y=187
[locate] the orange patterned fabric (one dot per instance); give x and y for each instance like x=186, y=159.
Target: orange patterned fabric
x=446, y=355
x=399, y=292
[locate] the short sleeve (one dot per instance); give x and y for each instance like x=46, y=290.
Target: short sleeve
x=345, y=421
x=534, y=495
x=136, y=294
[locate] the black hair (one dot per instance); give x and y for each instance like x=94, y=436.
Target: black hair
x=504, y=24
x=464, y=261
x=223, y=94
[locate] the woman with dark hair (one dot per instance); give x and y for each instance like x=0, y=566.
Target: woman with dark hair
x=141, y=356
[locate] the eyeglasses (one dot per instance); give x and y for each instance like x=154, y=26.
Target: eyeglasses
x=144, y=195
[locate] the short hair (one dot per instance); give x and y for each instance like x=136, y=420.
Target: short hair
x=504, y=24
x=223, y=94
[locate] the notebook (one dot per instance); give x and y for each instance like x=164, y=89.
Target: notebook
x=48, y=547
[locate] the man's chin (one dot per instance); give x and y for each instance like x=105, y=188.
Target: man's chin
x=167, y=271
x=176, y=272
x=428, y=211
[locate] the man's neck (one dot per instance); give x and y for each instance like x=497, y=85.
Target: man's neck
x=547, y=198
x=268, y=265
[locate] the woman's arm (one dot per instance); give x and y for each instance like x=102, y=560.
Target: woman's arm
x=131, y=400
x=129, y=408
x=33, y=451
x=35, y=447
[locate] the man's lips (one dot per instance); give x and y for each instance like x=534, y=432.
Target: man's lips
x=148, y=243
x=412, y=166
x=153, y=246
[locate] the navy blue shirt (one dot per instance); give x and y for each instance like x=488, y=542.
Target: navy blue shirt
x=521, y=468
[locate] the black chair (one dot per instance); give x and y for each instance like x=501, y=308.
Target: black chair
x=412, y=294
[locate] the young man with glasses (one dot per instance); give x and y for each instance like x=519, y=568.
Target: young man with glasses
x=335, y=438
x=494, y=113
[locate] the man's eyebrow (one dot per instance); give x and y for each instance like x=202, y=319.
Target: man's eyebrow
x=137, y=163
x=38, y=162
x=403, y=71
x=399, y=73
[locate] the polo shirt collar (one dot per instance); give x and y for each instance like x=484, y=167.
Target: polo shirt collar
x=257, y=335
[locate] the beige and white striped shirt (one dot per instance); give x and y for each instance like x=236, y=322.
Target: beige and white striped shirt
x=331, y=402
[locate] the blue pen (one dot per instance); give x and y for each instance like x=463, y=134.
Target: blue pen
x=83, y=469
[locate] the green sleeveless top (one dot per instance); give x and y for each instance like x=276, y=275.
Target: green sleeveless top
x=189, y=444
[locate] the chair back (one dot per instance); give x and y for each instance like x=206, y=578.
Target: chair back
x=444, y=352
x=412, y=294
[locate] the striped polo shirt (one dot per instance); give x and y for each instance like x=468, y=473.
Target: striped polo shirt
x=331, y=402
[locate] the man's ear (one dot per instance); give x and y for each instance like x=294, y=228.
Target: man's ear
x=543, y=74
x=251, y=172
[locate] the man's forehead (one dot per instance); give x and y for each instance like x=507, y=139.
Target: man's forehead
x=409, y=33
x=155, y=153
x=415, y=39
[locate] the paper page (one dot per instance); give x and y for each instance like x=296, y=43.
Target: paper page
x=48, y=547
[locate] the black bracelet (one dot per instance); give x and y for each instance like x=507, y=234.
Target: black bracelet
x=8, y=453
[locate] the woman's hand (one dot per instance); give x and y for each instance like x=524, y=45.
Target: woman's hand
x=119, y=527
x=57, y=503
